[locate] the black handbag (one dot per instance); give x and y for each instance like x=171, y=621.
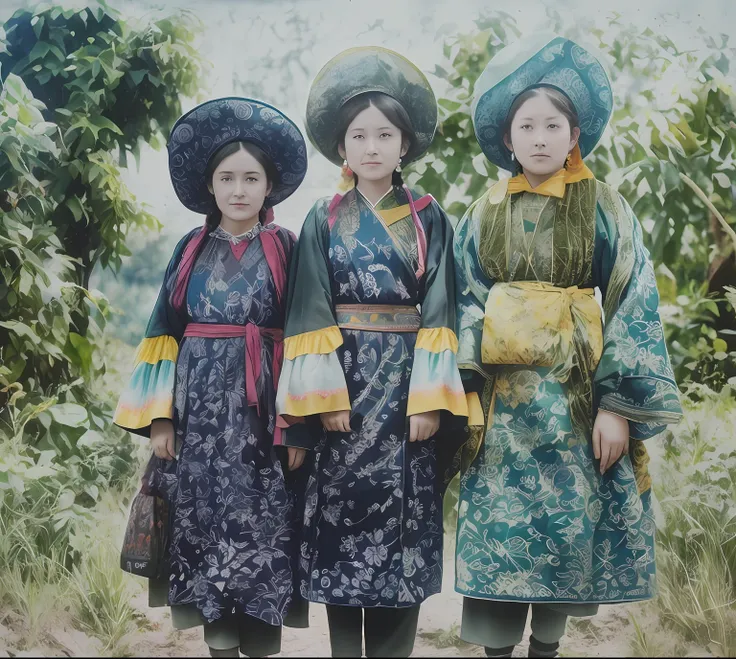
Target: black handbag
x=146, y=534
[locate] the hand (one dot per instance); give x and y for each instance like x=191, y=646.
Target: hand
x=336, y=421
x=423, y=426
x=296, y=457
x=610, y=438
x=162, y=438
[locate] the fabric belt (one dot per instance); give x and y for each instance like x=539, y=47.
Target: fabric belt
x=253, y=335
x=378, y=317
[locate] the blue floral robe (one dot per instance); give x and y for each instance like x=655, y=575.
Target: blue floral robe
x=373, y=520
x=234, y=510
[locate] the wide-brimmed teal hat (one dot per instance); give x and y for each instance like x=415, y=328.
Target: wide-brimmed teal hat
x=369, y=69
x=540, y=60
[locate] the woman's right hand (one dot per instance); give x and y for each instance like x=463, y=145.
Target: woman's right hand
x=336, y=421
x=162, y=438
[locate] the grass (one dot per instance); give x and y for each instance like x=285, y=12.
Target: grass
x=695, y=468
x=104, y=595
x=93, y=592
x=35, y=595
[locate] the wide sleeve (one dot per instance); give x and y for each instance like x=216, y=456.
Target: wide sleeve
x=312, y=380
x=149, y=393
x=435, y=380
x=634, y=377
x=472, y=287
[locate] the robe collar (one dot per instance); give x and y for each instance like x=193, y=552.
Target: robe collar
x=554, y=186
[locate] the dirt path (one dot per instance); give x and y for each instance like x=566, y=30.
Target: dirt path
x=606, y=635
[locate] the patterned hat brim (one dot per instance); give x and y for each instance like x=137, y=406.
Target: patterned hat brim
x=541, y=60
x=201, y=132
x=369, y=69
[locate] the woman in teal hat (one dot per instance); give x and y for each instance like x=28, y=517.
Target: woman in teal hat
x=370, y=374
x=203, y=387
x=555, y=502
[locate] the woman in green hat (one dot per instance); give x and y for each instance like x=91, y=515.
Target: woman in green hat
x=555, y=508
x=367, y=371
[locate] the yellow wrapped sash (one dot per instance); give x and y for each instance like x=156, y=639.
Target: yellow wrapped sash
x=539, y=324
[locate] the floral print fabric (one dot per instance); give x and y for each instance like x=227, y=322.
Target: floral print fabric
x=234, y=524
x=537, y=521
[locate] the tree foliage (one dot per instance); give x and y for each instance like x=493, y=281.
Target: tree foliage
x=670, y=148
x=81, y=90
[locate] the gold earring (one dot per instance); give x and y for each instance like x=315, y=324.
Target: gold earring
x=347, y=180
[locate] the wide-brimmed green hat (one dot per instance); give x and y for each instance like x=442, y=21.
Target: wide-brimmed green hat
x=540, y=60
x=369, y=69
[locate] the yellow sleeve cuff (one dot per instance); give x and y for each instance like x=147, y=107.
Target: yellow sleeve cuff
x=317, y=402
x=317, y=342
x=475, y=411
x=159, y=348
x=437, y=339
x=439, y=398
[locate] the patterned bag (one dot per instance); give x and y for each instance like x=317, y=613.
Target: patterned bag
x=146, y=535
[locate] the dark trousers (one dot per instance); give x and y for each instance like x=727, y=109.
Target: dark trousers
x=245, y=634
x=389, y=632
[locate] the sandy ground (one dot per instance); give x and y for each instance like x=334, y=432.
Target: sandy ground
x=607, y=635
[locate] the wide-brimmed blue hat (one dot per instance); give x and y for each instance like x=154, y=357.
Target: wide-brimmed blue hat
x=199, y=133
x=540, y=60
x=369, y=69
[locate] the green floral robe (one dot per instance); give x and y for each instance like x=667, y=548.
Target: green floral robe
x=537, y=522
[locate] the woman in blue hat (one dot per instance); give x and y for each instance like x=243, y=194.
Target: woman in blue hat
x=555, y=502
x=369, y=372
x=204, y=383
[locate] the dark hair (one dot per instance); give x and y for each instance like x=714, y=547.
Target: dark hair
x=390, y=107
x=559, y=99
x=272, y=175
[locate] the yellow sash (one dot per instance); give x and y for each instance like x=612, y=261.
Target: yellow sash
x=539, y=324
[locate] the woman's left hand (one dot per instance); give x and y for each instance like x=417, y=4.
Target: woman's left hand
x=296, y=457
x=423, y=426
x=610, y=438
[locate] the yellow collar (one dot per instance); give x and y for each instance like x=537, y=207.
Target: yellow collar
x=554, y=186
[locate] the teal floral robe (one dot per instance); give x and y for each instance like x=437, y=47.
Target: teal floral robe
x=537, y=522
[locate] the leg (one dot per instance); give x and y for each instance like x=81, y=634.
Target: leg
x=221, y=637
x=346, y=630
x=548, y=627
x=390, y=632
x=257, y=638
x=498, y=626
x=224, y=654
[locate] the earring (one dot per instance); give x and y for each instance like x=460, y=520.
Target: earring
x=346, y=171
x=513, y=157
x=568, y=159
x=398, y=167
x=347, y=180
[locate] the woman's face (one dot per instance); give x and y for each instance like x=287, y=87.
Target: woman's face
x=373, y=145
x=240, y=186
x=541, y=138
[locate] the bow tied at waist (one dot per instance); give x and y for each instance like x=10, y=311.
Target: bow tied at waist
x=539, y=324
x=253, y=335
